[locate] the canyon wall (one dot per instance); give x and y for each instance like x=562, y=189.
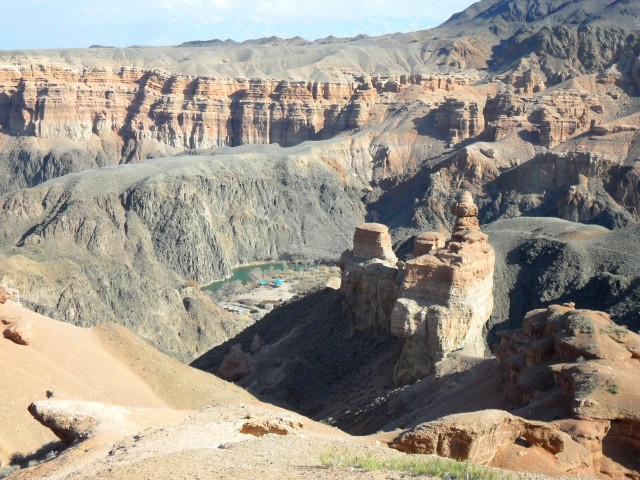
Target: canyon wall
x=187, y=112
x=128, y=239
x=57, y=119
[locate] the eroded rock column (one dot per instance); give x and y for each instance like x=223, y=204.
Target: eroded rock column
x=369, y=279
x=446, y=295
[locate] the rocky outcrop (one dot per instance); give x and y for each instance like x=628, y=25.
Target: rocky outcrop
x=504, y=114
x=7, y=293
x=573, y=375
x=275, y=425
x=554, y=117
x=491, y=436
x=369, y=274
x=563, y=113
x=459, y=120
x=586, y=201
x=235, y=365
x=74, y=421
x=445, y=297
x=438, y=302
x=578, y=186
x=427, y=242
x=562, y=345
x=593, y=363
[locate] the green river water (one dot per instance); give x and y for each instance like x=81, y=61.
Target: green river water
x=242, y=274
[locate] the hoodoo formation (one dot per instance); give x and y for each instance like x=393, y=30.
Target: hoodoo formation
x=445, y=297
x=439, y=301
x=454, y=214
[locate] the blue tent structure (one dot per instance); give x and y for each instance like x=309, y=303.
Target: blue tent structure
x=278, y=282
x=263, y=283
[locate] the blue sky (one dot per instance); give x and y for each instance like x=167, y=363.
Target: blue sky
x=121, y=23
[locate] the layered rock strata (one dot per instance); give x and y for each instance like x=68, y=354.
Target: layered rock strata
x=459, y=120
x=445, y=296
x=130, y=107
x=554, y=117
x=438, y=302
x=588, y=369
x=369, y=274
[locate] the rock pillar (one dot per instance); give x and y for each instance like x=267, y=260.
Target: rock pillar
x=369, y=279
x=446, y=296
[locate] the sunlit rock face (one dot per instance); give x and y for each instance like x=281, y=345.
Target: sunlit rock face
x=446, y=296
x=438, y=302
x=369, y=278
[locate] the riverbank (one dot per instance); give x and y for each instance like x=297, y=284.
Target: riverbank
x=256, y=300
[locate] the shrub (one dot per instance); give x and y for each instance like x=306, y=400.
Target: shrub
x=584, y=325
x=614, y=389
x=8, y=470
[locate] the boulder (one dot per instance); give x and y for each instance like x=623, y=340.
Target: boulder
x=235, y=365
x=487, y=437
x=20, y=332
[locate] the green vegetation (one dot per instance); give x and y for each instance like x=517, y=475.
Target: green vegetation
x=586, y=385
x=615, y=330
x=584, y=325
x=614, y=389
x=412, y=464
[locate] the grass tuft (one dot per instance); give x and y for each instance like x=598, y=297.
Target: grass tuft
x=412, y=464
x=614, y=389
x=584, y=325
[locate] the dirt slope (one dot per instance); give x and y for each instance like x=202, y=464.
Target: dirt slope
x=105, y=364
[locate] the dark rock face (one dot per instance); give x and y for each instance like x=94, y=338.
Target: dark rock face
x=573, y=186
x=542, y=261
x=120, y=245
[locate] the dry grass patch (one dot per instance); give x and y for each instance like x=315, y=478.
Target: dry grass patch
x=415, y=465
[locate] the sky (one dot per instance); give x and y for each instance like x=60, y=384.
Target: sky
x=31, y=24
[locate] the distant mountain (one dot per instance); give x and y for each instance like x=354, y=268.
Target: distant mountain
x=623, y=13
x=567, y=37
